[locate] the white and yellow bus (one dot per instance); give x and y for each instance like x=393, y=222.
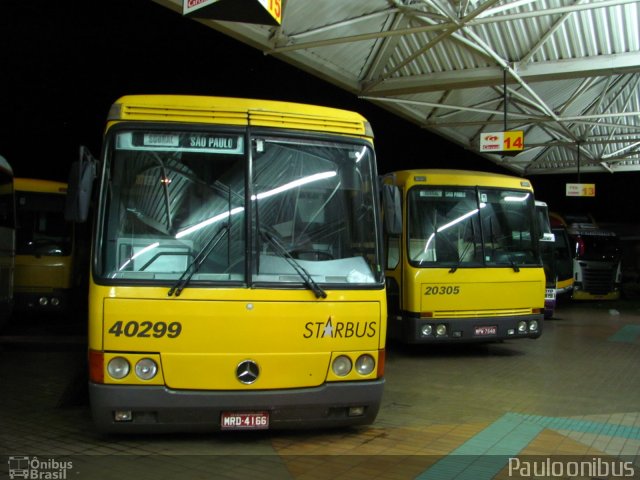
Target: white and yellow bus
x=466, y=264
x=547, y=251
x=236, y=273
x=44, y=247
x=7, y=240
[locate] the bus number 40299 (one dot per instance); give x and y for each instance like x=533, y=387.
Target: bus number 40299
x=146, y=329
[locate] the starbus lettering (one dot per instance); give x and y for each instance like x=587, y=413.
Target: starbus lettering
x=330, y=329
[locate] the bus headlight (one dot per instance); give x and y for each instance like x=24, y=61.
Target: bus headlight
x=533, y=326
x=426, y=330
x=146, y=369
x=118, y=368
x=43, y=301
x=365, y=364
x=441, y=330
x=522, y=326
x=55, y=301
x=341, y=365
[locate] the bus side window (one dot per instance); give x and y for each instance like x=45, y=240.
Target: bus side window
x=392, y=216
x=393, y=252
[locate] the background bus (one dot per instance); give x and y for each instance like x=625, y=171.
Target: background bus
x=466, y=266
x=7, y=240
x=44, y=247
x=547, y=251
x=236, y=278
x=562, y=256
x=597, y=259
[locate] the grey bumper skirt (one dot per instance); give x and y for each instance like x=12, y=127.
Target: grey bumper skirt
x=159, y=409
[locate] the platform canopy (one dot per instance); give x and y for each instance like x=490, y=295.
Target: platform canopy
x=564, y=72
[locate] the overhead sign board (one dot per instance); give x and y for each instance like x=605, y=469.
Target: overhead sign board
x=581, y=190
x=265, y=12
x=509, y=141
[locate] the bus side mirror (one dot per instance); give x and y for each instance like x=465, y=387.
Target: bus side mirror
x=80, y=185
x=392, y=209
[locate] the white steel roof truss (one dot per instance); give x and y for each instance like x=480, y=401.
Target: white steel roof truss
x=573, y=69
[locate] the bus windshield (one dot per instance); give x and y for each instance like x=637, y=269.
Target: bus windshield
x=597, y=244
x=471, y=227
x=41, y=227
x=200, y=206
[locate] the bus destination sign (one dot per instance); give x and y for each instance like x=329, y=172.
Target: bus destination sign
x=183, y=141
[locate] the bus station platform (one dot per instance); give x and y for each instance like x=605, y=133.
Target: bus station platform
x=566, y=405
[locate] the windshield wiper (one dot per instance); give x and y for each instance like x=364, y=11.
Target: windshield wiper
x=197, y=262
x=513, y=263
x=308, y=280
x=509, y=255
x=460, y=257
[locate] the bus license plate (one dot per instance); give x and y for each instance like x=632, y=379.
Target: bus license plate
x=551, y=294
x=244, y=420
x=484, y=331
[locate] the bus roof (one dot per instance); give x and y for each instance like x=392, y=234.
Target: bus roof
x=459, y=178
x=39, y=185
x=238, y=111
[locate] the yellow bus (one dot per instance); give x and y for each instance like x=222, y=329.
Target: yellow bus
x=44, y=247
x=466, y=264
x=7, y=240
x=236, y=273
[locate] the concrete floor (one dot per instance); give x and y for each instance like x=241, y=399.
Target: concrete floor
x=567, y=404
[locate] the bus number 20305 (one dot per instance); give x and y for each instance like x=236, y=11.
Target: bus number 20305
x=442, y=290
x=146, y=329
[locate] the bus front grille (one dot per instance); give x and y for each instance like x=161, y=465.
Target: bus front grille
x=598, y=280
x=481, y=313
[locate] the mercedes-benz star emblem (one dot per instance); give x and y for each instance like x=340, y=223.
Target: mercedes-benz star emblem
x=247, y=372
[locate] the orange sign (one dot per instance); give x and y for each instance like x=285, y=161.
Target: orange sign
x=274, y=7
x=581, y=190
x=266, y=12
x=502, y=141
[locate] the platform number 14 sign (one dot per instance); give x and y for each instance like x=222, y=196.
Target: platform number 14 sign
x=502, y=141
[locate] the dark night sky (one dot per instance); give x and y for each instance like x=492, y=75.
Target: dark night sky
x=64, y=63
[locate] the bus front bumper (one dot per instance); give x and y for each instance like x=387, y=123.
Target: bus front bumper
x=469, y=330
x=47, y=301
x=160, y=409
